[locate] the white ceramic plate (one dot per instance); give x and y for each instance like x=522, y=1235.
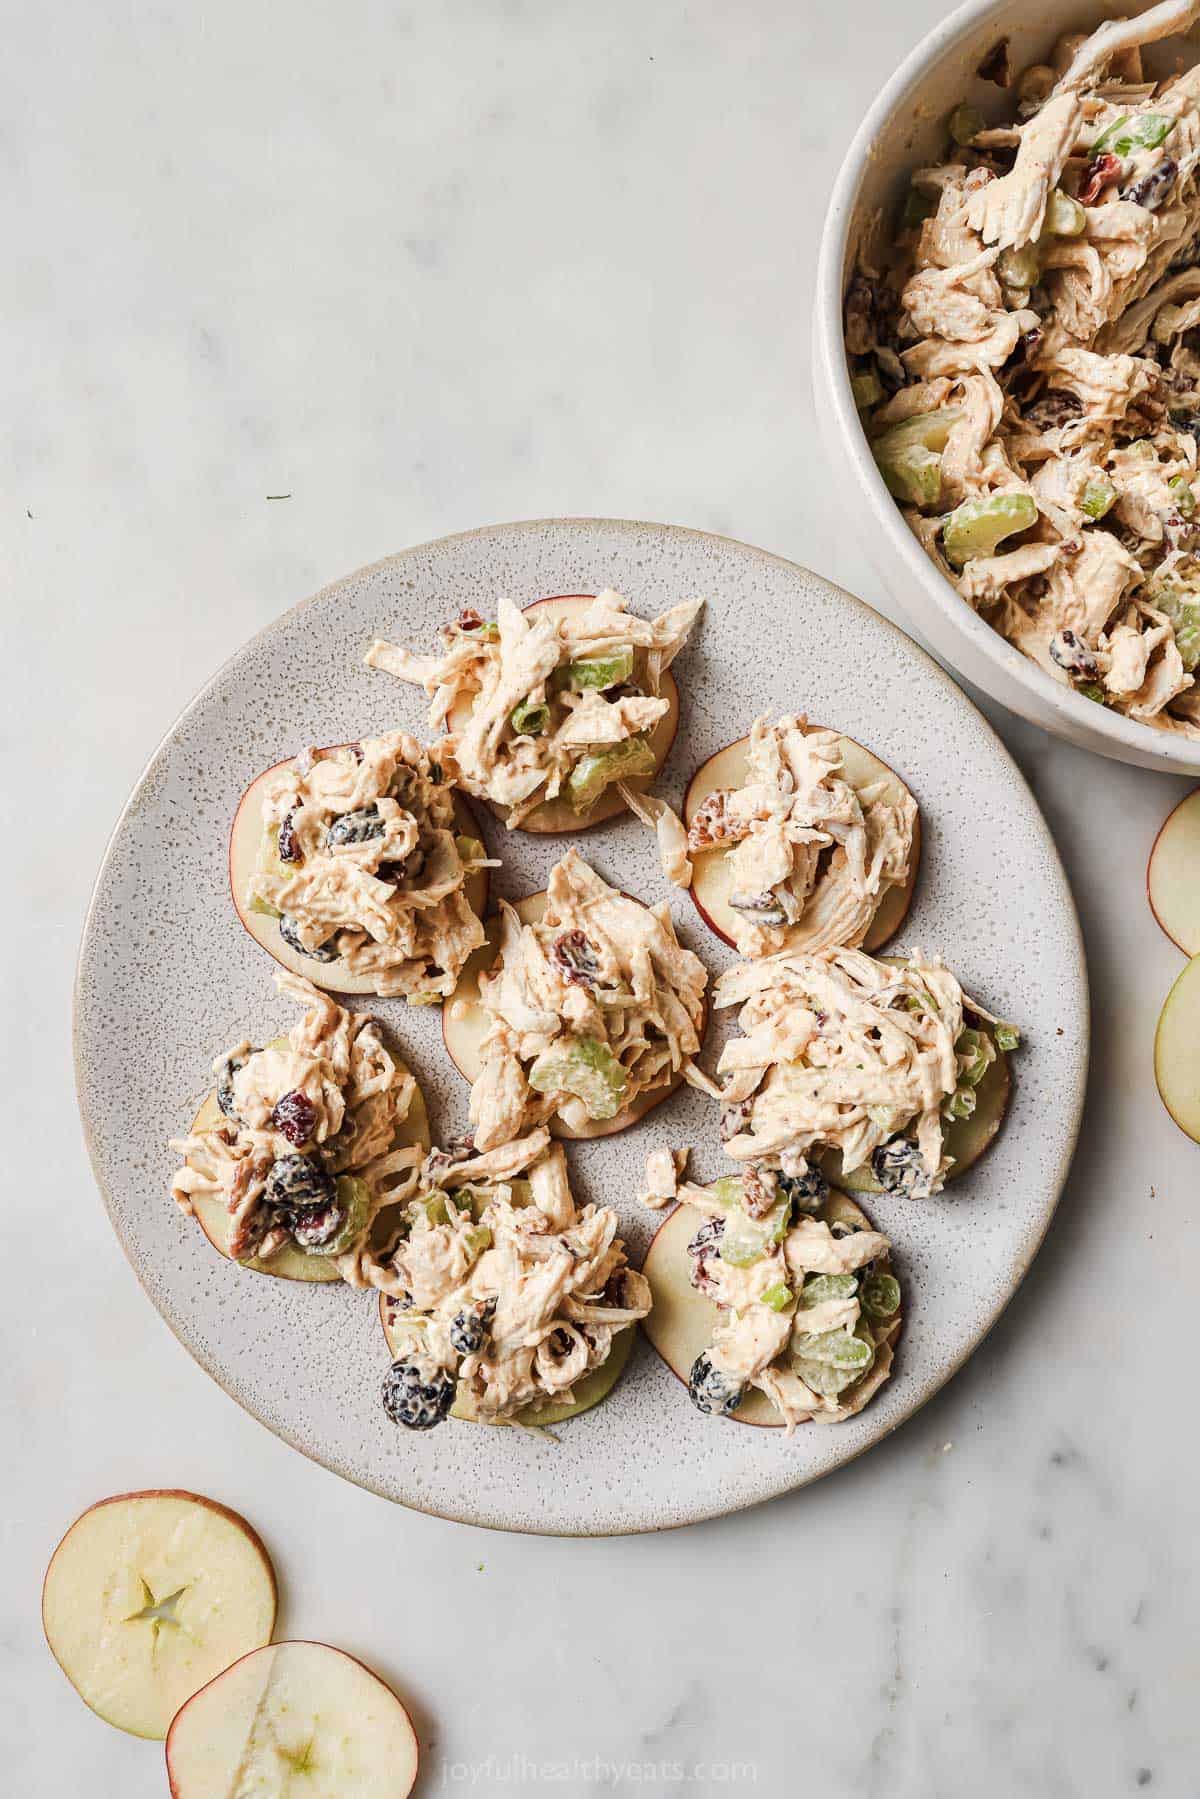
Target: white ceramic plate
x=167, y=977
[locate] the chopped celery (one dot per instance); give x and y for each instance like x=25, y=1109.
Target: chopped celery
x=596, y=771
x=354, y=1199
x=1185, y=498
x=1181, y=605
x=880, y=1295
x=961, y=1103
x=432, y=1205
x=265, y=907
x=478, y=1239
x=1098, y=497
x=585, y=1067
x=1092, y=690
x=834, y=1349
x=1065, y=217
x=820, y=1287
x=529, y=719
x=595, y=673
x=909, y=455
x=976, y=1045
x=779, y=1297
x=965, y=123
x=1125, y=135
x=1019, y=268
x=977, y=527
x=867, y=390
x=1007, y=1036
x=470, y=849
x=746, y=1240
x=728, y=1190
x=423, y=999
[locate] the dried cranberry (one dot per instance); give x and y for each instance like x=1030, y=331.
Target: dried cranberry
x=469, y=620
x=1102, y=171
x=575, y=959
x=294, y=1117
x=289, y=848
x=1153, y=188
x=1052, y=411
x=734, y=1118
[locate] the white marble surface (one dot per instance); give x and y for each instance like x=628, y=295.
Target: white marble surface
x=420, y=267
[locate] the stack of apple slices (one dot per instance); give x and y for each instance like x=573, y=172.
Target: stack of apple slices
x=1173, y=887
x=159, y=1607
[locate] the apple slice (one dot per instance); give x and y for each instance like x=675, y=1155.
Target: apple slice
x=712, y=878
x=294, y=1718
x=964, y=1138
x=289, y=1263
x=681, y=1321
x=465, y=1023
x=245, y=837
x=556, y=818
x=1173, y=875
x=148, y=1596
x=1177, y=1051
x=594, y=1386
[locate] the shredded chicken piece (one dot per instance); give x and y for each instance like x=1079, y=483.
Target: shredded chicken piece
x=361, y=857
x=505, y=1284
x=843, y=1052
x=327, y=1100
x=668, y=827
x=664, y=1170
x=531, y=700
x=589, y=1008
x=1044, y=324
x=810, y=858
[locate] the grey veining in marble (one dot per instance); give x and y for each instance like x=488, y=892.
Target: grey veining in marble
x=420, y=268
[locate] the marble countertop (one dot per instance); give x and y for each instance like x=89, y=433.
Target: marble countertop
x=414, y=269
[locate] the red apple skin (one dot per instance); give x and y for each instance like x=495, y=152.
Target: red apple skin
x=1188, y=799
x=529, y=909
x=874, y=940
x=316, y=972
x=174, y=1790
x=213, y=1505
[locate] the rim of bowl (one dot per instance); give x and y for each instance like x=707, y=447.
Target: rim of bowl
x=1175, y=752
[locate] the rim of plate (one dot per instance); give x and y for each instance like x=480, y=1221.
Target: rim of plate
x=1035, y=1230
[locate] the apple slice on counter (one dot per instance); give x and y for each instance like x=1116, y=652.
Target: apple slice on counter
x=465, y=1024
x=589, y=1391
x=1177, y=1051
x=712, y=879
x=245, y=840
x=1173, y=875
x=289, y=1263
x=294, y=1718
x=965, y=1139
x=148, y=1596
x=557, y=817
x=681, y=1321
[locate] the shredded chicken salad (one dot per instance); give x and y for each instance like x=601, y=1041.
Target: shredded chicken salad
x=776, y=828
x=808, y=1304
x=588, y=1009
x=502, y=1291
x=540, y=706
x=1026, y=360
x=360, y=859
x=303, y=1151
x=843, y=1052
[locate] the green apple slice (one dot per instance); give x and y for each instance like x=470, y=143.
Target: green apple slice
x=1173, y=875
x=1177, y=1051
x=299, y=1719
x=596, y=1385
x=681, y=1321
x=712, y=878
x=965, y=1139
x=148, y=1596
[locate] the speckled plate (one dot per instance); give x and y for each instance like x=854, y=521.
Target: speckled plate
x=167, y=977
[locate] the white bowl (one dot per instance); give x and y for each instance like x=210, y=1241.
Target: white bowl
x=904, y=129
